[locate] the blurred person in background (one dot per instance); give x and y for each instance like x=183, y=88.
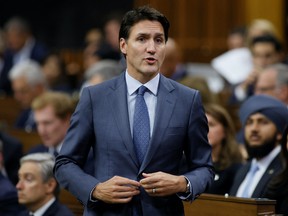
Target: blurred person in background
x=172, y=66
x=28, y=82
x=237, y=38
x=12, y=150
x=266, y=50
x=273, y=81
x=226, y=155
x=20, y=45
x=52, y=112
x=54, y=69
x=9, y=205
x=93, y=38
x=101, y=71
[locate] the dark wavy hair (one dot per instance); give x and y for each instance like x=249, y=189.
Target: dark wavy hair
x=142, y=13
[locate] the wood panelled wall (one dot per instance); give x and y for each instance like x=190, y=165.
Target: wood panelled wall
x=201, y=26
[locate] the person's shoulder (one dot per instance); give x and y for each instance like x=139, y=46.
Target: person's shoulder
x=62, y=209
x=10, y=140
x=38, y=148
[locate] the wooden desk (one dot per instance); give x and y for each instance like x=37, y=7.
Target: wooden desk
x=216, y=205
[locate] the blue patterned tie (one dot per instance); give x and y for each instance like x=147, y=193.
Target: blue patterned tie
x=253, y=169
x=141, y=125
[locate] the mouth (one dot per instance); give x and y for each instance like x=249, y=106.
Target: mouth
x=150, y=60
x=254, y=138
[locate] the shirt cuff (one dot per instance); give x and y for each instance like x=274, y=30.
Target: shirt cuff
x=185, y=196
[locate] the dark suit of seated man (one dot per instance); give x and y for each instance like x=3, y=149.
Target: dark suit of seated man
x=12, y=152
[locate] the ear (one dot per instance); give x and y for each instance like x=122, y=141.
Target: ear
x=279, y=137
x=50, y=186
x=123, y=46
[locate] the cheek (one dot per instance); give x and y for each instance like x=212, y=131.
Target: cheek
x=215, y=135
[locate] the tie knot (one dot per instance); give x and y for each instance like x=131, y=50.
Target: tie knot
x=141, y=90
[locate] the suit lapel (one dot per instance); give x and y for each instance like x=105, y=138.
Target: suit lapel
x=118, y=104
x=165, y=103
x=273, y=169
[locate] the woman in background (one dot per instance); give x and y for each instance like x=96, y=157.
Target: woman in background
x=226, y=155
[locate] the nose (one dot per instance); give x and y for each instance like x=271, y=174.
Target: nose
x=19, y=185
x=254, y=126
x=151, y=47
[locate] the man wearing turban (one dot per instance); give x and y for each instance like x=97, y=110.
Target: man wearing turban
x=263, y=119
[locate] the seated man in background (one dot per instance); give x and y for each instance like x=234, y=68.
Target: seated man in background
x=37, y=187
x=273, y=81
x=52, y=112
x=28, y=82
x=264, y=119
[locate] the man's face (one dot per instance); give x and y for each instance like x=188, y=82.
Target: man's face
x=23, y=92
x=261, y=135
x=216, y=131
x=51, y=128
x=144, y=50
x=266, y=83
x=32, y=191
x=264, y=54
x=258, y=129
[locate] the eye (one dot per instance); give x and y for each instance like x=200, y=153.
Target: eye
x=141, y=39
x=159, y=40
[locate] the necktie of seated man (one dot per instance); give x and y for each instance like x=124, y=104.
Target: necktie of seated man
x=253, y=169
x=141, y=125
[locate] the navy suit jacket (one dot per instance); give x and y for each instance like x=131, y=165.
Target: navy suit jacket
x=8, y=198
x=273, y=169
x=101, y=121
x=12, y=152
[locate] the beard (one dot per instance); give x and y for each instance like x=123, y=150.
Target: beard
x=262, y=150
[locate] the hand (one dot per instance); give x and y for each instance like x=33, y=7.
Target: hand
x=251, y=78
x=163, y=184
x=116, y=190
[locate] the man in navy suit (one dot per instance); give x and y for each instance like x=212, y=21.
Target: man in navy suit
x=37, y=188
x=122, y=183
x=264, y=119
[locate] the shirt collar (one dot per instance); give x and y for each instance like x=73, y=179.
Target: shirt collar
x=265, y=162
x=133, y=84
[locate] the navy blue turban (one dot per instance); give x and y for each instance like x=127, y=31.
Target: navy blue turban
x=272, y=108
